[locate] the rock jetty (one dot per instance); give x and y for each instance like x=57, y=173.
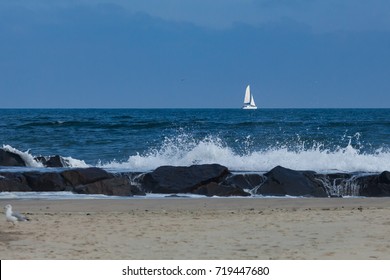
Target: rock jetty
x=204, y=179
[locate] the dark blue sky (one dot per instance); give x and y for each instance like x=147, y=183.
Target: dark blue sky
x=194, y=53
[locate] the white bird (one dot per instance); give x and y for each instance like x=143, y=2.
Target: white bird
x=13, y=217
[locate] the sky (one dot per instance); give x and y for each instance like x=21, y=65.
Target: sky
x=194, y=53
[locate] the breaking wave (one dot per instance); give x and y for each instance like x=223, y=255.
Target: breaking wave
x=30, y=161
x=26, y=156
x=241, y=156
x=184, y=150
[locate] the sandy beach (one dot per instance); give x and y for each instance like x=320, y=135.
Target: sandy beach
x=216, y=228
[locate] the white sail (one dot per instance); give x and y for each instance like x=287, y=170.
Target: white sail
x=247, y=98
x=249, y=101
x=253, y=101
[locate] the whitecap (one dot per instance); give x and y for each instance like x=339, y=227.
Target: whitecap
x=185, y=151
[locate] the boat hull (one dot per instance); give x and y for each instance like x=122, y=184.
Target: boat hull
x=249, y=107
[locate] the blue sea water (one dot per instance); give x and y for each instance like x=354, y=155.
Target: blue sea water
x=323, y=140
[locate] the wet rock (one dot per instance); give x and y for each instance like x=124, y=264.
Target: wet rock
x=283, y=181
x=180, y=179
x=45, y=182
x=52, y=161
x=83, y=176
x=14, y=176
x=375, y=185
x=384, y=177
x=215, y=189
x=338, y=184
x=10, y=159
x=245, y=181
x=117, y=186
x=13, y=182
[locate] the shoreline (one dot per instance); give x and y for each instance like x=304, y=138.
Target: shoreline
x=201, y=228
x=213, y=203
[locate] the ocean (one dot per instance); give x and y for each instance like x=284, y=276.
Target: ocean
x=322, y=140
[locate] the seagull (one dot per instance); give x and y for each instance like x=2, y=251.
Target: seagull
x=13, y=217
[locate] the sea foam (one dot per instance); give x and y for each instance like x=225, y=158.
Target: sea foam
x=185, y=151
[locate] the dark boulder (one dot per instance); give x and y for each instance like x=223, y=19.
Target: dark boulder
x=52, y=161
x=83, y=176
x=180, y=179
x=215, y=189
x=14, y=176
x=283, y=181
x=10, y=159
x=117, y=186
x=375, y=185
x=45, y=182
x=13, y=182
x=384, y=177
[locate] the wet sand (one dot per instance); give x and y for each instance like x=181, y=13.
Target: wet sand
x=210, y=228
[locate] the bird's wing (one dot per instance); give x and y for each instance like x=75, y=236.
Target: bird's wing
x=19, y=216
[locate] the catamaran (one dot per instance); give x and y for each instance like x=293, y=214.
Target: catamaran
x=249, y=101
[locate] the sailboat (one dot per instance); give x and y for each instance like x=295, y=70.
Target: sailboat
x=249, y=101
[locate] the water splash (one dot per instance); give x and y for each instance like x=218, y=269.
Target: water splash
x=340, y=185
x=243, y=154
x=72, y=162
x=26, y=156
x=185, y=150
x=30, y=161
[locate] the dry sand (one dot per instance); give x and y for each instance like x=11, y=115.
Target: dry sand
x=223, y=228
